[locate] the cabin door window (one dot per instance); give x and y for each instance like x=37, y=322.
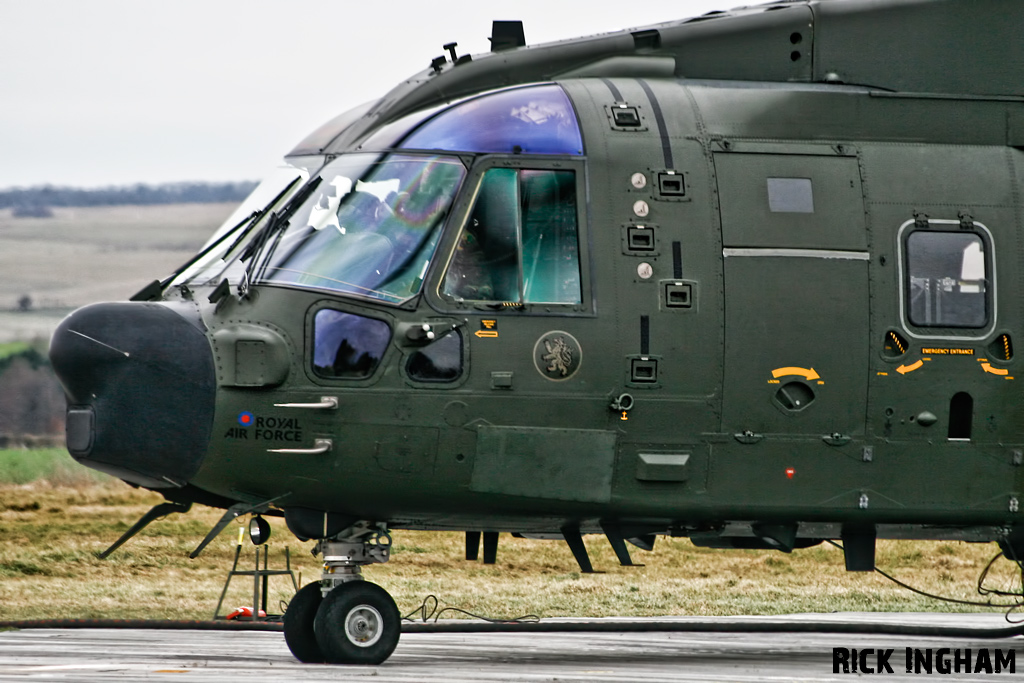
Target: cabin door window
x=947, y=280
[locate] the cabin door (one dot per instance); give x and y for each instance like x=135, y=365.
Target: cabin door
x=796, y=295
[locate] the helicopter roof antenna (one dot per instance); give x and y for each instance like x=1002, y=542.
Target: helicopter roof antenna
x=507, y=35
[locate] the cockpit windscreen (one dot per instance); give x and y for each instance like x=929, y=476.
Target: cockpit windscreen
x=371, y=227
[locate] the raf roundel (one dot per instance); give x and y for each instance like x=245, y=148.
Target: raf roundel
x=245, y=418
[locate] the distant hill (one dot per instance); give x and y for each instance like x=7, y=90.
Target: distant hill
x=34, y=201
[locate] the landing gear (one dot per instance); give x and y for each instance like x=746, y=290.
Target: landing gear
x=298, y=624
x=344, y=619
x=358, y=623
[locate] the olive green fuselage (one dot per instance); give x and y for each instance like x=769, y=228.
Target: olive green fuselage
x=748, y=322
x=753, y=277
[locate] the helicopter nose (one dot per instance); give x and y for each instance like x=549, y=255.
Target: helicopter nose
x=140, y=385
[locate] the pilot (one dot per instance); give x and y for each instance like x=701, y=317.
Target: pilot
x=467, y=277
x=362, y=212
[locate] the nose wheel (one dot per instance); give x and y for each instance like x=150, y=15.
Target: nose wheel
x=298, y=624
x=356, y=622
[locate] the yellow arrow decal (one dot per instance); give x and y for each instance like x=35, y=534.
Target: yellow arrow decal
x=486, y=333
x=904, y=369
x=806, y=374
x=987, y=367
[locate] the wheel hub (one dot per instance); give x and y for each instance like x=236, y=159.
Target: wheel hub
x=363, y=626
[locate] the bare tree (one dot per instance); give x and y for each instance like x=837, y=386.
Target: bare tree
x=31, y=400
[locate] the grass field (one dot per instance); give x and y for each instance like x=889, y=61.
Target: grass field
x=12, y=348
x=55, y=516
x=83, y=255
x=50, y=466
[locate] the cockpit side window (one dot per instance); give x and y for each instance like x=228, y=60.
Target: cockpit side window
x=551, y=264
x=346, y=345
x=521, y=242
x=440, y=361
x=947, y=279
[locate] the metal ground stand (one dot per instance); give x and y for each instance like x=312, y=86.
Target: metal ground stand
x=260, y=580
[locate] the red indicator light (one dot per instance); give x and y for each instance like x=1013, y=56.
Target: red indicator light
x=790, y=472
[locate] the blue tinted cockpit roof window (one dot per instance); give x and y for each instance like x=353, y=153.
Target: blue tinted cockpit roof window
x=532, y=120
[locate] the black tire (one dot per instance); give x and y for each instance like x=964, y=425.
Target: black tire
x=298, y=624
x=358, y=623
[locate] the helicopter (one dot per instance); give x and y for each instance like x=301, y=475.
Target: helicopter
x=750, y=278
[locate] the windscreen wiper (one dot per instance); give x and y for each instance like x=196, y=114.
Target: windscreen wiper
x=256, y=248
x=249, y=222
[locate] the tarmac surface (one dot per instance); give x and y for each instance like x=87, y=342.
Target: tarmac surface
x=615, y=655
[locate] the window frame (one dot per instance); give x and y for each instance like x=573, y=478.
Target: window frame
x=471, y=190
x=949, y=333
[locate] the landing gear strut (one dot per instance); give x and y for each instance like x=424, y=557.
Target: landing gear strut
x=344, y=619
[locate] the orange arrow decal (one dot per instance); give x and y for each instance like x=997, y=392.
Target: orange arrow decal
x=486, y=333
x=806, y=374
x=987, y=367
x=904, y=369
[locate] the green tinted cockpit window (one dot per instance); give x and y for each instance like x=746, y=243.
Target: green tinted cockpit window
x=521, y=243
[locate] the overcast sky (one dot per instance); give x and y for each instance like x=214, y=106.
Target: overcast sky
x=113, y=92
